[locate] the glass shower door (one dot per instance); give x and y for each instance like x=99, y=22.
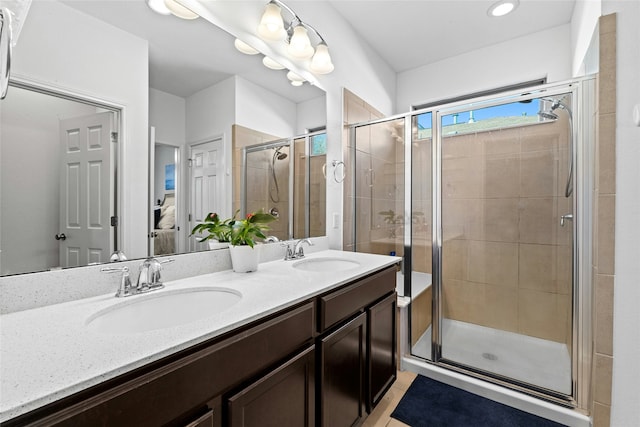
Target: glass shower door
x=507, y=241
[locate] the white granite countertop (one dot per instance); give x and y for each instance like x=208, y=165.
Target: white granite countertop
x=48, y=353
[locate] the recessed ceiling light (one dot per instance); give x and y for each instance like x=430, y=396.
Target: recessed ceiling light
x=503, y=7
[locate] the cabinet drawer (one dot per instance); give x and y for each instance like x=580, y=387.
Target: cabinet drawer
x=182, y=386
x=341, y=304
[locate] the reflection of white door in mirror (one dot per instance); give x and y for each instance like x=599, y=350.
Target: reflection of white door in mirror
x=84, y=233
x=207, y=184
x=165, y=197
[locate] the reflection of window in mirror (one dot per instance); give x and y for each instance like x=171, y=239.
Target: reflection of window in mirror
x=58, y=162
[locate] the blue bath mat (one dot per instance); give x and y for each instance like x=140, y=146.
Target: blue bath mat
x=430, y=403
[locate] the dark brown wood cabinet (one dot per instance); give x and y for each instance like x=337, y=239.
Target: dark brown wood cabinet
x=381, y=348
x=343, y=373
x=326, y=361
x=283, y=397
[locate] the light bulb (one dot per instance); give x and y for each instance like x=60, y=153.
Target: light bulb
x=321, y=61
x=179, y=10
x=270, y=63
x=300, y=45
x=244, y=47
x=271, y=25
x=296, y=83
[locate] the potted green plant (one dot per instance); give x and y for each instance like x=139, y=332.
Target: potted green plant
x=240, y=234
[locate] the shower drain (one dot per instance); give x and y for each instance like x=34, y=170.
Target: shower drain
x=489, y=356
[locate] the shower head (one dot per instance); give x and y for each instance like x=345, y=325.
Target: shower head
x=555, y=104
x=279, y=155
x=549, y=115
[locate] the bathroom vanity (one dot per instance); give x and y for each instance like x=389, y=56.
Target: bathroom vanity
x=308, y=343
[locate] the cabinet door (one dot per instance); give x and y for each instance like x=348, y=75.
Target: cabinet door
x=342, y=374
x=284, y=397
x=381, y=348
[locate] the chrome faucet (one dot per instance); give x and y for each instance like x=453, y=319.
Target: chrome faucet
x=148, y=279
x=295, y=252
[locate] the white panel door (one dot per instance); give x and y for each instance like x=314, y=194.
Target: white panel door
x=85, y=189
x=206, y=184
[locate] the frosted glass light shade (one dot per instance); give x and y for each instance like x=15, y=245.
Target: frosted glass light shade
x=270, y=63
x=321, y=61
x=179, y=10
x=271, y=26
x=158, y=6
x=244, y=47
x=300, y=45
x=296, y=83
x=293, y=77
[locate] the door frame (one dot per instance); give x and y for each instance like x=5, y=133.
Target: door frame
x=224, y=211
x=118, y=147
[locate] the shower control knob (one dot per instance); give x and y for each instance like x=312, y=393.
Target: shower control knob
x=567, y=217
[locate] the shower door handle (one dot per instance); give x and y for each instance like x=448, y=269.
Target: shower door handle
x=567, y=217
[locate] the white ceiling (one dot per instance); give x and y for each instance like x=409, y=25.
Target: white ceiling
x=411, y=33
x=187, y=56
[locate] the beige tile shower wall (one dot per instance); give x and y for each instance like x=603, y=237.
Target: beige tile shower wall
x=356, y=110
x=604, y=195
x=258, y=176
x=506, y=260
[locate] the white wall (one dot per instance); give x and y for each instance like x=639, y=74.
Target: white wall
x=260, y=109
x=167, y=113
x=543, y=54
x=30, y=178
x=583, y=23
x=311, y=114
x=69, y=50
x=625, y=410
x=210, y=114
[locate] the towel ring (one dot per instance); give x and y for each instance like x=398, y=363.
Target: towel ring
x=336, y=164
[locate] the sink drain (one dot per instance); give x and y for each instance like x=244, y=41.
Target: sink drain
x=489, y=356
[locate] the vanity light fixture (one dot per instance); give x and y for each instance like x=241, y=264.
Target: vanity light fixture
x=503, y=7
x=171, y=7
x=158, y=6
x=272, y=25
x=244, y=47
x=295, y=79
x=273, y=28
x=270, y=63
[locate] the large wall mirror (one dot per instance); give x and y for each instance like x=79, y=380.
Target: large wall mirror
x=201, y=92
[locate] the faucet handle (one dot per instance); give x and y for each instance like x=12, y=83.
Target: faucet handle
x=124, y=290
x=149, y=277
x=288, y=255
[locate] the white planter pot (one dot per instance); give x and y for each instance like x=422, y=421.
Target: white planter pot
x=244, y=259
x=214, y=244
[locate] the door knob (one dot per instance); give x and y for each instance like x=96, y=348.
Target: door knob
x=61, y=236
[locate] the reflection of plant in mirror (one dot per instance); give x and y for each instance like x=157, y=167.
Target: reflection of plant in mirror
x=236, y=232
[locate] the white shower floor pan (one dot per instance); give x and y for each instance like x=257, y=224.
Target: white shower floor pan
x=528, y=359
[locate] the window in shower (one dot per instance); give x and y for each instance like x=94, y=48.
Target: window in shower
x=310, y=194
x=507, y=240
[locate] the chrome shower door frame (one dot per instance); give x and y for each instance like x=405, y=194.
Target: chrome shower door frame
x=582, y=93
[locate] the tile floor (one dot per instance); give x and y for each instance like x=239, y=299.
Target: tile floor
x=381, y=415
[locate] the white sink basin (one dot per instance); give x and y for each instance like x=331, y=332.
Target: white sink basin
x=325, y=264
x=163, y=310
